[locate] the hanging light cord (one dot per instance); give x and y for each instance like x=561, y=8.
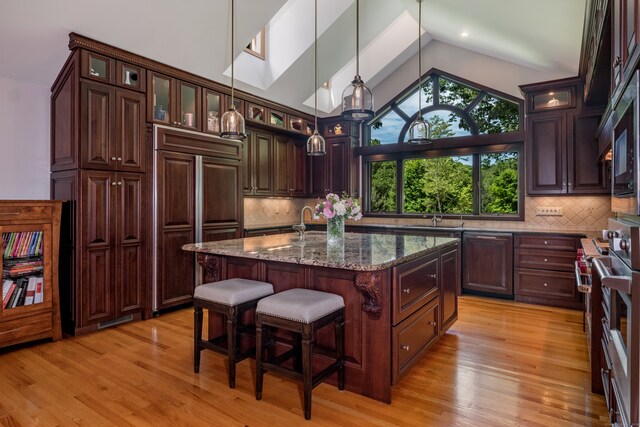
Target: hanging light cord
x=357, y=37
x=232, y=44
x=315, y=65
x=419, y=59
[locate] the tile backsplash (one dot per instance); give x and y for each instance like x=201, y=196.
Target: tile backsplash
x=584, y=214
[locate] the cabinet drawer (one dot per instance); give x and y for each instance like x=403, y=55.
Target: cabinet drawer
x=545, y=241
x=412, y=338
x=545, y=284
x=416, y=283
x=10, y=213
x=547, y=260
x=25, y=329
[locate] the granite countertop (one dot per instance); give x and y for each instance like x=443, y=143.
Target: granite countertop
x=360, y=252
x=423, y=228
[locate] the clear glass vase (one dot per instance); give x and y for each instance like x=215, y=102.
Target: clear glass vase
x=335, y=229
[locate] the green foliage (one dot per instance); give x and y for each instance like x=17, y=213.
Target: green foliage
x=499, y=183
x=383, y=186
x=494, y=115
x=442, y=184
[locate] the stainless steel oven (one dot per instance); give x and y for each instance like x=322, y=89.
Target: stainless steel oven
x=619, y=274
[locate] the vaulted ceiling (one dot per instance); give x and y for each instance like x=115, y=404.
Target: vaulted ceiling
x=194, y=35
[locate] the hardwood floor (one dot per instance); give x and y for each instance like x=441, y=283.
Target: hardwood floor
x=501, y=364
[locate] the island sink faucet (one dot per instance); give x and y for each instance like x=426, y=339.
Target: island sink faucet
x=301, y=227
x=435, y=220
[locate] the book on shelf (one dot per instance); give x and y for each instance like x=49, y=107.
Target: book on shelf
x=8, y=287
x=39, y=296
x=22, y=244
x=31, y=290
x=24, y=282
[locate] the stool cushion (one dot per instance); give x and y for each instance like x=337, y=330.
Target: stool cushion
x=233, y=291
x=300, y=305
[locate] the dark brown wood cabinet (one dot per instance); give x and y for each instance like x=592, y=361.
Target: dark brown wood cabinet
x=336, y=171
x=290, y=172
x=99, y=160
x=173, y=102
x=488, y=263
x=257, y=158
x=449, y=287
x=544, y=270
x=624, y=39
x=562, y=151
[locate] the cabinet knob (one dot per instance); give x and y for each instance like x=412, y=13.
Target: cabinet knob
x=546, y=284
x=113, y=158
x=407, y=291
x=432, y=323
x=545, y=260
x=405, y=347
x=119, y=159
x=113, y=183
x=119, y=182
x=546, y=243
x=433, y=276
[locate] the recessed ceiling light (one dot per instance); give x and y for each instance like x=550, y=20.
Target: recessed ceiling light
x=464, y=34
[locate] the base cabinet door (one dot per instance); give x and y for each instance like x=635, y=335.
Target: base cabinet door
x=488, y=263
x=449, y=285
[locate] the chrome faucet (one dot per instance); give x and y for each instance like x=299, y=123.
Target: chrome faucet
x=435, y=220
x=301, y=227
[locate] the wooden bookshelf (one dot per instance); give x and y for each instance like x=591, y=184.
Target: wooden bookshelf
x=30, y=236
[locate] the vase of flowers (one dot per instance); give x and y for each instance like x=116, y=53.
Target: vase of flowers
x=336, y=209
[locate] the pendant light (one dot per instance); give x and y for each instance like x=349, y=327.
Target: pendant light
x=357, y=99
x=232, y=122
x=420, y=129
x=315, y=143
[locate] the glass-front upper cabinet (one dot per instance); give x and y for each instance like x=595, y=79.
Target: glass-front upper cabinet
x=159, y=96
x=130, y=76
x=212, y=113
x=189, y=101
x=97, y=67
x=296, y=124
x=256, y=113
x=554, y=99
x=277, y=119
x=173, y=102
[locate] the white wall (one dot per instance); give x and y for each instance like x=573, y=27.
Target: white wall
x=476, y=67
x=24, y=140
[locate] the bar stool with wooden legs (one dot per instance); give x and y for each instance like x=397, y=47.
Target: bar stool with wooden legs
x=301, y=311
x=230, y=298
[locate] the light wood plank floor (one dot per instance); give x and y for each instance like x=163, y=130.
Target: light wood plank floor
x=501, y=364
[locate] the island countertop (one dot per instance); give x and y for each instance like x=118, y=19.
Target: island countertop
x=360, y=252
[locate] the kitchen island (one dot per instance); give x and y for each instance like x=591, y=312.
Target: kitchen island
x=400, y=292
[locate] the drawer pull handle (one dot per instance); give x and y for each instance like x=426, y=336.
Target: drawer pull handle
x=433, y=276
x=432, y=323
x=407, y=291
x=405, y=347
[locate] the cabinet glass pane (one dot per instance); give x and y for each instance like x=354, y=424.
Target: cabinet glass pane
x=256, y=113
x=213, y=112
x=98, y=67
x=130, y=76
x=276, y=119
x=161, y=99
x=296, y=124
x=22, y=268
x=188, y=105
x=554, y=99
x=310, y=128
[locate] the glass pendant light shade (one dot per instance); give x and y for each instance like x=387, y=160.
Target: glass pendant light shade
x=357, y=101
x=420, y=129
x=232, y=124
x=316, y=145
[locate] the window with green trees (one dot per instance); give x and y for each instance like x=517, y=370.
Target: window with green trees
x=472, y=168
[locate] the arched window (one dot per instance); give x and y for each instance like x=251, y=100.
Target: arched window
x=473, y=167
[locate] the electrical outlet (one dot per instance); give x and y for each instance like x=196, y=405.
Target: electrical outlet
x=549, y=211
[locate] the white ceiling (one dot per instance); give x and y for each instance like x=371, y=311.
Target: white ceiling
x=194, y=35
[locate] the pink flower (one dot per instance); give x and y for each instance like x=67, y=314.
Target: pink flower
x=328, y=212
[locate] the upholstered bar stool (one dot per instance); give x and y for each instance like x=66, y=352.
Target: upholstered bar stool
x=231, y=298
x=301, y=311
